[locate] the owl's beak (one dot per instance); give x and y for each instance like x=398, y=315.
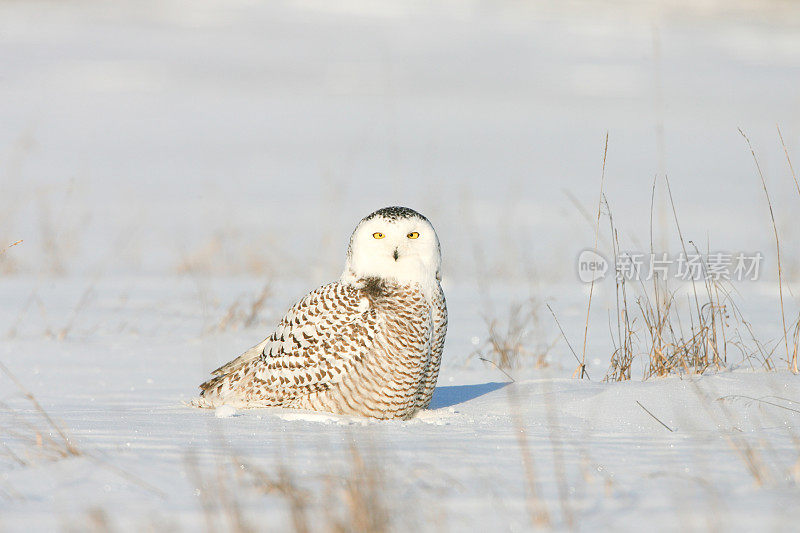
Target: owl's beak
x=396, y=255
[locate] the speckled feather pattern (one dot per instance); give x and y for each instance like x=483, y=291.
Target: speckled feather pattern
x=370, y=348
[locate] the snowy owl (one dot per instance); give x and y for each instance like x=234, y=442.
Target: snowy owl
x=369, y=344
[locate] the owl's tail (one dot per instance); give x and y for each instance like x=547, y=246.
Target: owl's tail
x=211, y=392
x=230, y=381
x=223, y=389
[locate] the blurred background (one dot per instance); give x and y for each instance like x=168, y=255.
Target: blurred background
x=180, y=172
x=248, y=138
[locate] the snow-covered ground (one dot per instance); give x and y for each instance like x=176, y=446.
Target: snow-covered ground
x=167, y=163
x=114, y=371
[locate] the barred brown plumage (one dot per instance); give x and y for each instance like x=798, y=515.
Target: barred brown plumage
x=369, y=344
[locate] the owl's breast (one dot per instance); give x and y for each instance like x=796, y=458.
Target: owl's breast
x=402, y=307
x=404, y=341
x=386, y=381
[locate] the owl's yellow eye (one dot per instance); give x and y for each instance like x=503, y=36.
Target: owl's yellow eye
x=413, y=235
x=378, y=235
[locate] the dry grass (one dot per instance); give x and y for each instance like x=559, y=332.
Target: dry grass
x=652, y=322
x=363, y=494
x=7, y=264
x=792, y=362
x=796, y=339
x=64, y=325
x=766, y=466
x=509, y=341
x=232, y=252
x=243, y=313
x=354, y=500
x=752, y=456
x=535, y=506
x=85, y=299
x=283, y=484
x=43, y=439
x=559, y=463
x=677, y=331
x=11, y=203
x=582, y=367
x=39, y=440
x=218, y=493
x=4, y=250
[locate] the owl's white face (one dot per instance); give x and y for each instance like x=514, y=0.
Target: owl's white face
x=396, y=243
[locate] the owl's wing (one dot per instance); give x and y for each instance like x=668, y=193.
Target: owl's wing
x=250, y=355
x=319, y=340
x=316, y=343
x=439, y=315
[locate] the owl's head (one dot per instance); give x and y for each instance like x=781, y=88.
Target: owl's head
x=394, y=243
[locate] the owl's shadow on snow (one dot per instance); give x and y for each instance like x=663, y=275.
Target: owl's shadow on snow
x=455, y=394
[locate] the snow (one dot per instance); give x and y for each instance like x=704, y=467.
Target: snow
x=225, y=411
x=166, y=167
